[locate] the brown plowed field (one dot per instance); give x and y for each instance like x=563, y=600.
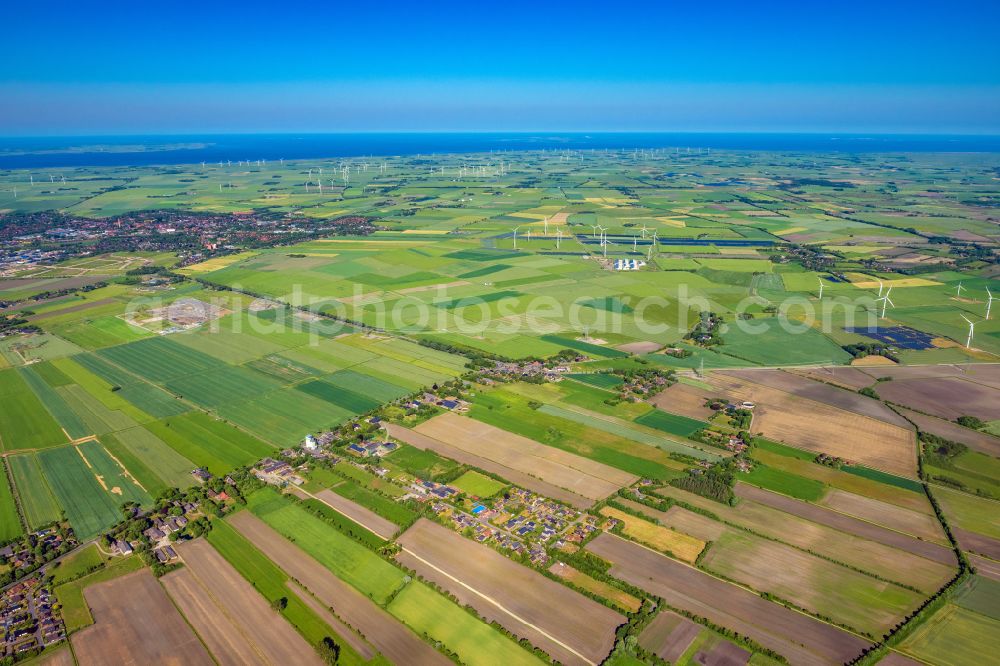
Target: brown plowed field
x=978, y=543
x=946, y=397
x=135, y=623
x=921, y=525
x=800, y=638
x=560, y=468
x=985, y=567
x=803, y=387
x=414, y=438
x=390, y=637
x=849, y=524
x=980, y=441
x=567, y=625
x=224, y=640
x=685, y=400
x=823, y=428
x=359, y=514
x=322, y=612
x=268, y=634
x=669, y=635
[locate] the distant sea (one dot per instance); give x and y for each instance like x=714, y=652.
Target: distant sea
x=69, y=151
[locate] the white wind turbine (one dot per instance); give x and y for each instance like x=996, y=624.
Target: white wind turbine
x=989, y=301
x=885, y=301
x=595, y=227
x=820, y=288
x=546, y=225
x=968, y=341
x=958, y=291
x=644, y=230
x=558, y=237
x=879, y=287
x=515, y=237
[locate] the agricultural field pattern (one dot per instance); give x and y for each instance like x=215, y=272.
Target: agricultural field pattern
x=619, y=407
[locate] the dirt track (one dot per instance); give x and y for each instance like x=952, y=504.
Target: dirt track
x=395, y=641
x=135, y=623
x=551, y=616
x=800, y=638
x=359, y=514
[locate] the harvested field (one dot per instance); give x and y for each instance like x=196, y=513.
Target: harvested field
x=620, y=598
x=803, y=387
x=362, y=516
x=136, y=624
x=681, y=519
x=390, y=637
x=86, y=305
x=560, y=468
x=826, y=589
x=920, y=525
x=523, y=479
x=822, y=428
x=845, y=523
x=800, y=638
x=685, y=400
x=946, y=397
x=267, y=633
x=567, y=625
x=974, y=439
x=663, y=539
x=669, y=635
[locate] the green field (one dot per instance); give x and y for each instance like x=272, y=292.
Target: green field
x=10, y=522
x=39, y=505
x=478, y=485
x=785, y=483
x=353, y=402
x=671, y=423
x=88, y=506
x=425, y=464
x=981, y=595
x=209, y=443
x=600, y=380
x=78, y=564
x=349, y=560
x=475, y=642
x=955, y=636
x=24, y=422
x=161, y=462
x=355, y=490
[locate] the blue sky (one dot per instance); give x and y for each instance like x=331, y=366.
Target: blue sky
x=587, y=66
